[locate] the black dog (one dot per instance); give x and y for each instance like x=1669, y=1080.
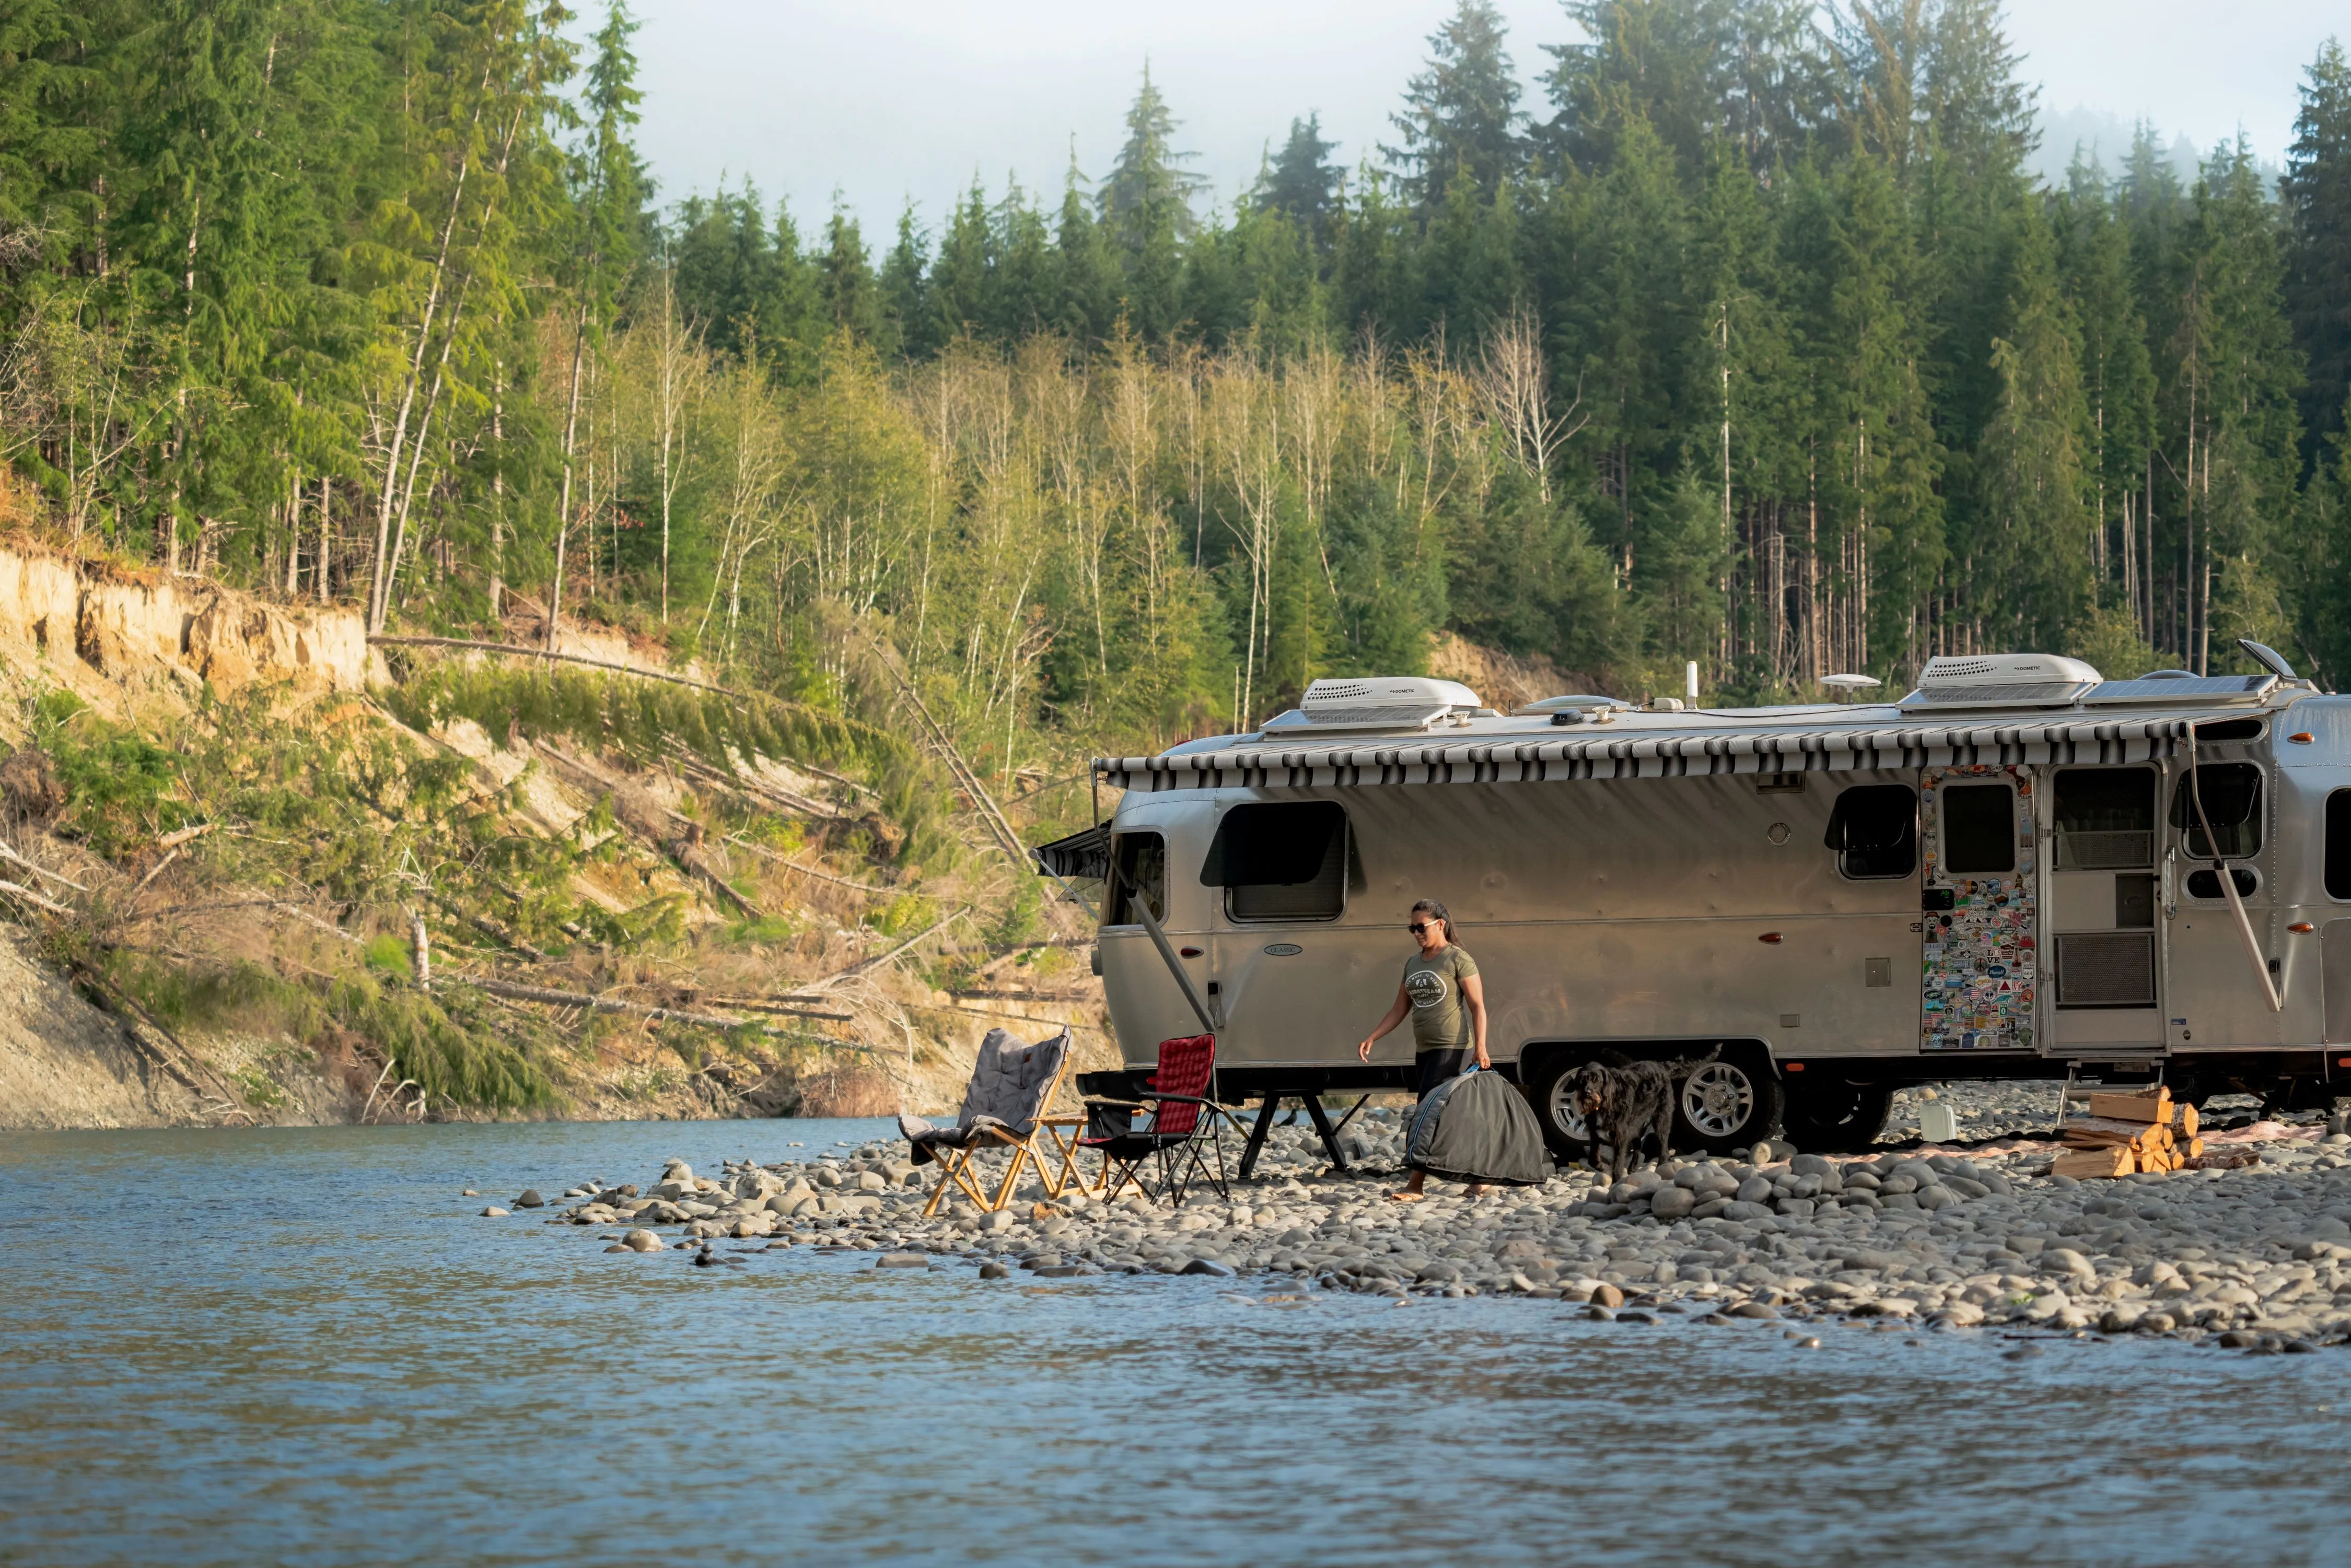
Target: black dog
x=1621, y=1102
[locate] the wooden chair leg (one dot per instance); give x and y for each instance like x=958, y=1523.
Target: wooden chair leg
x=1011, y=1177
x=958, y=1172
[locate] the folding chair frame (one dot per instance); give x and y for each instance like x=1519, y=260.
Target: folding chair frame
x=1181, y=1161
x=1044, y=1132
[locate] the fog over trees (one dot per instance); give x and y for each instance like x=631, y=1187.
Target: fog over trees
x=1753, y=341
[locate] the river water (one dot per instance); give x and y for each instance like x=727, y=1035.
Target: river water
x=303, y=1347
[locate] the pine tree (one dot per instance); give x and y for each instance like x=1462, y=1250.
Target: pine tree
x=1695, y=70
x=2316, y=195
x=1147, y=208
x=1627, y=326
x=1461, y=115
x=909, y=324
x=852, y=298
x=2035, y=577
x=1026, y=289
x=1300, y=181
x=1090, y=284
x=962, y=282
x=2117, y=383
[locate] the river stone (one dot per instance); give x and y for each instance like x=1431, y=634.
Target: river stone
x=1208, y=1266
x=1756, y=1309
x=1755, y=1189
x=995, y=1271
x=530, y=1199
x=903, y=1260
x=494, y=1212
x=642, y=1242
x=1606, y=1295
x=1672, y=1202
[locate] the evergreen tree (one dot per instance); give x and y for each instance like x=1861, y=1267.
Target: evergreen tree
x=2033, y=576
x=1090, y=284
x=1695, y=70
x=960, y=283
x=1461, y=116
x=1147, y=208
x=1300, y=181
x=852, y=296
x=2117, y=379
x=2316, y=195
x=1026, y=292
x=745, y=282
x=909, y=326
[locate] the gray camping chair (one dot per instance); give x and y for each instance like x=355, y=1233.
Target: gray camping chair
x=1006, y=1105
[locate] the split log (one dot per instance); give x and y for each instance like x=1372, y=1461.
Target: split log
x=2087, y=1164
x=2140, y=1108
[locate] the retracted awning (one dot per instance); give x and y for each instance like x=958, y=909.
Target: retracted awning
x=1638, y=755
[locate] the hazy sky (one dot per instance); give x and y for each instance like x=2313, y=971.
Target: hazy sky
x=884, y=100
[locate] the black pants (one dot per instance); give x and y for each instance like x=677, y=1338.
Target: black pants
x=1435, y=1067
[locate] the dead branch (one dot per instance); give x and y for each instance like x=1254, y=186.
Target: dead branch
x=879, y=960
x=10, y=854
x=599, y=1003
x=766, y=854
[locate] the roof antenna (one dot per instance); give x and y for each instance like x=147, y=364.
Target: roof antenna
x=1848, y=687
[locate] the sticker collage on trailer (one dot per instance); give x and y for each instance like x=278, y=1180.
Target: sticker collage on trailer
x=1980, y=968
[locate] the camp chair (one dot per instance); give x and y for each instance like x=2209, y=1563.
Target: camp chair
x=1003, y=1106
x=1184, y=1126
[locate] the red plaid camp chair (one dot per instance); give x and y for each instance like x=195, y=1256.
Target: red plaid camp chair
x=1182, y=1134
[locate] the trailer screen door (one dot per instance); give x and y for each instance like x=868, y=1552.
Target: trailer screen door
x=1981, y=969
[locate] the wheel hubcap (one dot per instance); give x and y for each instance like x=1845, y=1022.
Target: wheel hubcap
x=1717, y=1099
x=1564, y=1113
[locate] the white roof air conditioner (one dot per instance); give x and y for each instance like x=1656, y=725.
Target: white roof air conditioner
x=2003, y=680
x=1382, y=702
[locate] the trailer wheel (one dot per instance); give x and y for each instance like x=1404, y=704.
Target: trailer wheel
x=1835, y=1116
x=1562, y=1123
x=1725, y=1105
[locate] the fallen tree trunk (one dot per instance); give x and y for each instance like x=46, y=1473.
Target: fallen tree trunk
x=597, y=1004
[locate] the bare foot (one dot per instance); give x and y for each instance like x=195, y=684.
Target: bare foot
x=1478, y=1189
x=1406, y=1197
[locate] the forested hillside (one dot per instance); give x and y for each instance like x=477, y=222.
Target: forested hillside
x=1752, y=342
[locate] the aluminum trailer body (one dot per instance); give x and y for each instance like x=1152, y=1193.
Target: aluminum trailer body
x=1843, y=898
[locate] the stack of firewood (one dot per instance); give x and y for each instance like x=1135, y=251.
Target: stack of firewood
x=2128, y=1133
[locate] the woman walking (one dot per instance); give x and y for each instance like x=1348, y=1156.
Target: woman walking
x=1446, y=1001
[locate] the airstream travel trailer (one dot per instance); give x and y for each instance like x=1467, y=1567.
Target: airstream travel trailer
x=2007, y=873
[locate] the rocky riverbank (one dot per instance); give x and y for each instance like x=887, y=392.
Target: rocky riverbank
x=1956, y=1237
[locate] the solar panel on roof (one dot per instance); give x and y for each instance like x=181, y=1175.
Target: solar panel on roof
x=2173, y=689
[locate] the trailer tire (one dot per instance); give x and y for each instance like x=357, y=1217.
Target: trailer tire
x=1836, y=1116
x=1726, y=1104
x=1563, y=1124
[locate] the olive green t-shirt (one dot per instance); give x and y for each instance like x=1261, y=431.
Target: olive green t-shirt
x=1439, y=1020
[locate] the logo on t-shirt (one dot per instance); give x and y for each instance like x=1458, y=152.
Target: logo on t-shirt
x=1427, y=988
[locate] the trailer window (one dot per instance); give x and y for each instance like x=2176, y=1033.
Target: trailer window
x=1284, y=860
x=2106, y=819
x=1979, y=829
x=2338, y=844
x=2232, y=800
x=1142, y=860
x=1874, y=831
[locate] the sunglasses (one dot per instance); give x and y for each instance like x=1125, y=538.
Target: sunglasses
x=1417, y=930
